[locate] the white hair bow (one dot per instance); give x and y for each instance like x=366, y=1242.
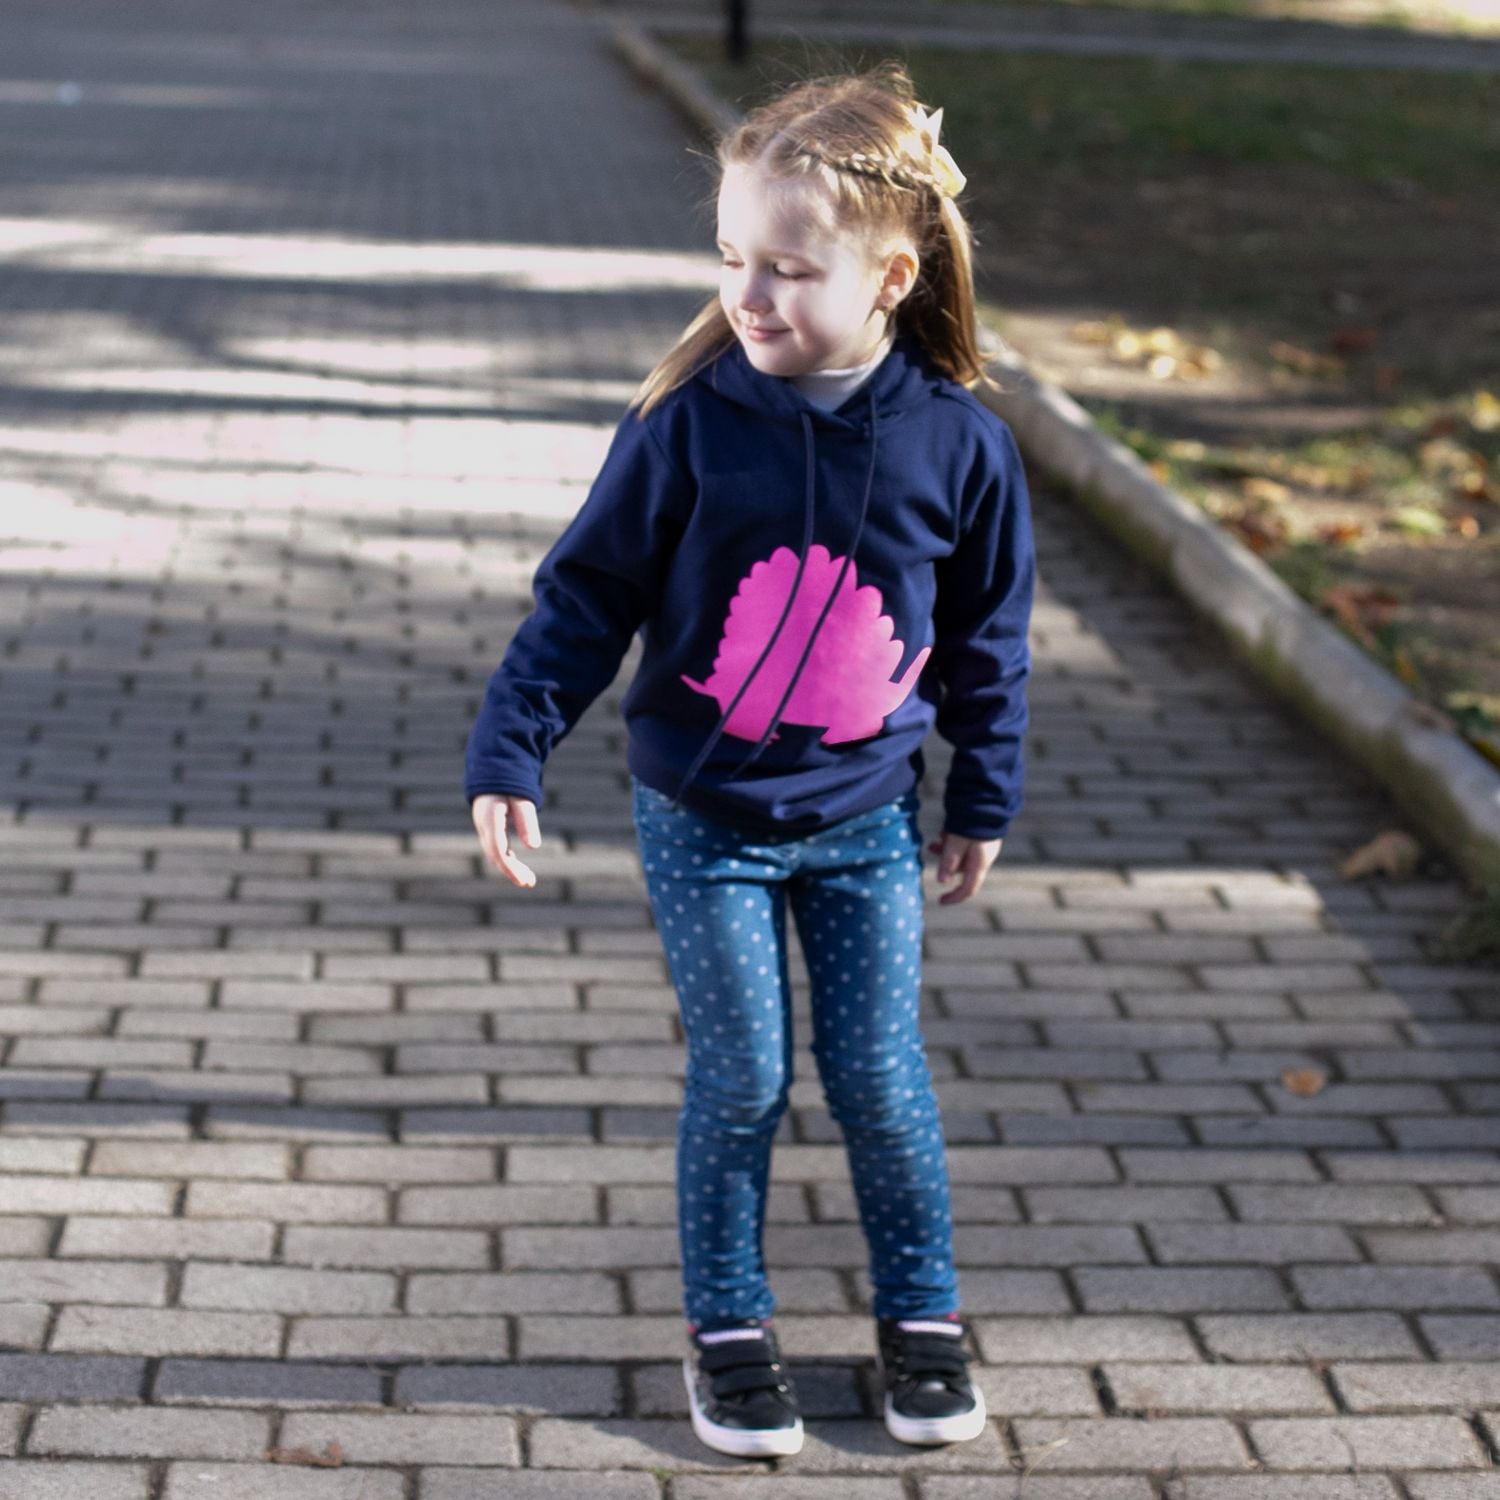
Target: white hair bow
x=951, y=181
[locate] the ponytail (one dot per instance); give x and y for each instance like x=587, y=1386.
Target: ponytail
x=940, y=311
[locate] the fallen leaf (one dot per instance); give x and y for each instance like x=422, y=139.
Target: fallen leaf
x=1405, y=667
x=1466, y=526
x=1312, y=476
x=1091, y=333
x=1419, y=520
x=1442, y=455
x=1304, y=360
x=1339, y=533
x=1346, y=341
x=332, y=1457
x=1485, y=413
x=1360, y=609
x=1265, y=491
x=1261, y=533
x=1162, y=352
x=1198, y=364
x=1390, y=853
x=1304, y=1082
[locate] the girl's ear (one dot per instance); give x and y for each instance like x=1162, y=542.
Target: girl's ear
x=900, y=277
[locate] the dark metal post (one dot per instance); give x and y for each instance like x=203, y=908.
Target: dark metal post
x=738, y=42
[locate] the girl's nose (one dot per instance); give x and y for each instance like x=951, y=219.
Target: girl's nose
x=753, y=296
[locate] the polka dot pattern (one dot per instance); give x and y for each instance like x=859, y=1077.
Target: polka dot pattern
x=721, y=900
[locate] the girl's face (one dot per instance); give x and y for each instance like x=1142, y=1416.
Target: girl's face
x=799, y=296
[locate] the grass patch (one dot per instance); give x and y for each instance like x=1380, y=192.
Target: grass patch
x=1422, y=15
x=1013, y=114
x=1473, y=936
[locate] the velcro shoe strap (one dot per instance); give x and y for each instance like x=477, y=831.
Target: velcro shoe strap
x=734, y=1352
x=746, y=1378
x=931, y=1353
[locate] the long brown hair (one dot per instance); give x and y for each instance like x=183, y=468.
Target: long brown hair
x=857, y=136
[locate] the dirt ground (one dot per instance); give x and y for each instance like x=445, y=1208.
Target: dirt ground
x=1322, y=351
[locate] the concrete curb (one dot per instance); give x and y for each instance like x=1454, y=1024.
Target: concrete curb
x=1447, y=788
x=679, y=82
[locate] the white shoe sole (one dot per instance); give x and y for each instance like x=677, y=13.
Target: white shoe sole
x=773, y=1442
x=930, y=1431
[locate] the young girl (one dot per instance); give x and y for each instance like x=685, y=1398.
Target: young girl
x=824, y=538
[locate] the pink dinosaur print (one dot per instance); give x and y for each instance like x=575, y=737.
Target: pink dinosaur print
x=846, y=684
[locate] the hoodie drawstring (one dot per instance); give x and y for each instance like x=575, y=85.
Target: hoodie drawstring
x=807, y=534
x=838, y=583
x=808, y=506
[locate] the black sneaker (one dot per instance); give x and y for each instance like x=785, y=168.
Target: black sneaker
x=929, y=1397
x=740, y=1395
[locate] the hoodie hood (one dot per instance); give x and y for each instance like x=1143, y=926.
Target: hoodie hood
x=902, y=380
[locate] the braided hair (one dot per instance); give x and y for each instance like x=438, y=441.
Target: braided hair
x=884, y=167
x=861, y=138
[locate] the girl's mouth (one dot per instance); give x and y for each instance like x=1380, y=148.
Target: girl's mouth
x=761, y=335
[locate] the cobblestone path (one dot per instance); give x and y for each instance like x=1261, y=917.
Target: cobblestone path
x=316, y=318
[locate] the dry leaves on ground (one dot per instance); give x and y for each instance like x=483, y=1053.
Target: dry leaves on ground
x=1304, y=1082
x=1390, y=853
x=1162, y=352
x=1306, y=361
x=1362, y=609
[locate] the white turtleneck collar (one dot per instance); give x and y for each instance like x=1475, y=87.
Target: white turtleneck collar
x=829, y=389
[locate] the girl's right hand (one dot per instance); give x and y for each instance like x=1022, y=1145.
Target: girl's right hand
x=491, y=815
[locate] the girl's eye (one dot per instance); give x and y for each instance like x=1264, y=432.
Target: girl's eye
x=791, y=275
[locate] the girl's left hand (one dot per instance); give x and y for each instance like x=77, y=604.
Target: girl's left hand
x=960, y=856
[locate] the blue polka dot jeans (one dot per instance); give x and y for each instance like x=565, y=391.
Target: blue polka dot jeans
x=720, y=899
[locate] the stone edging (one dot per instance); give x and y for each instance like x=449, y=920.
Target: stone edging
x=1447, y=788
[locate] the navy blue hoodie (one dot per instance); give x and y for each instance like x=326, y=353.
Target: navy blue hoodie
x=815, y=590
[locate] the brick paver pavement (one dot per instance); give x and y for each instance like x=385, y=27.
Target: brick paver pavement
x=317, y=317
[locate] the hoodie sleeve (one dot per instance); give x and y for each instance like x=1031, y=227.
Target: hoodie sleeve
x=592, y=592
x=981, y=655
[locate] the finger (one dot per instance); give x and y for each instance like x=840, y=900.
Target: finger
x=523, y=815
x=515, y=871
x=506, y=861
x=973, y=877
x=484, y=811
x=490, y=820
